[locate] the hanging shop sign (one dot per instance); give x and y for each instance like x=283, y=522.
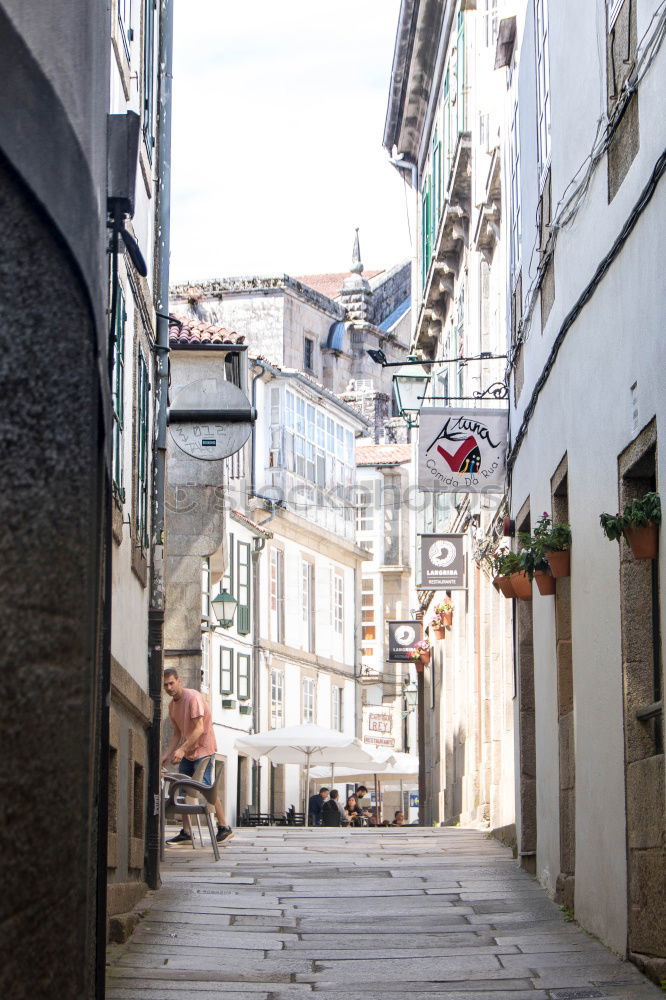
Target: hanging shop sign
x=381, y=726
x=462, y=450
x=402, y=636
x=442, y=562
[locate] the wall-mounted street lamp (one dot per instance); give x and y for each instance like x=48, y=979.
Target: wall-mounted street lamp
x=224, y=609
x=410, y=382
x=410, y=694
x=409, y=388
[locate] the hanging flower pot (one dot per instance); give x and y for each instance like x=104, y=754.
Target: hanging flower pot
x=560, y=563
x=643, y=539
x=639, y=523
x=545, y=582
x=505, y=586
x=420, y=653
x=444, y=613
x=438, y=631
x=522, y=585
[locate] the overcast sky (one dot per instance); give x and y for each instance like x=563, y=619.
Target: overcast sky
x=278, y=121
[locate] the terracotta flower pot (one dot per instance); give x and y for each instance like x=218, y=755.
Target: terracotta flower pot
x=644, y=540
x=545, y=582
x=424, y=656
x=522, y=585
x=505, y=586
x=560, y=563
x=447, y=617
x=439, y=632
x=496, y=584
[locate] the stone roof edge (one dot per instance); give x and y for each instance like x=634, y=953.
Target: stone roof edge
x=387, y=274
x=259, y=283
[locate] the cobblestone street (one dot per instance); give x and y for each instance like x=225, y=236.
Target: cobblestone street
x=363, y=914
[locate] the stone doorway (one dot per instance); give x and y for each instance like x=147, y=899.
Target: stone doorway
x=643, y=724
x=566, y=880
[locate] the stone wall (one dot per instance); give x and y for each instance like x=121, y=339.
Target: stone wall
x=50, y=551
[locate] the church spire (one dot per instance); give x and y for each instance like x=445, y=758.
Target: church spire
x=357, y=264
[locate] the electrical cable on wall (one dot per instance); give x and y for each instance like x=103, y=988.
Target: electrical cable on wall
x=587, y=294
x=569, y=205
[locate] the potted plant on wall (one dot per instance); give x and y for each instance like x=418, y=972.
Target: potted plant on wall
x=438, y=628
x=639, y=523
x=554, y=542
x=504, y=564
x=444, y=612
x=521, y=581
x=420, y=651
x=535, y=563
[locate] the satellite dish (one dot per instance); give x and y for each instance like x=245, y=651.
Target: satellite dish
x=199, y=425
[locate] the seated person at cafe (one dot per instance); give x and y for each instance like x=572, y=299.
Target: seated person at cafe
x=316, y=805
x=332, y=814
x=354, y=811
x=399, y=818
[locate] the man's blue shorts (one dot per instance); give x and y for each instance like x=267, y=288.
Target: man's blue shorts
x=189, y=767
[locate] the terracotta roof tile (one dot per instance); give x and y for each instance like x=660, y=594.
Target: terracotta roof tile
x=184, y=332
x=244, y=519
x=383, y=454
x=330, y=285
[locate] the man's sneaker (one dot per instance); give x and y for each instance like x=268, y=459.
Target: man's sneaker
x=223, y=833
x=181, y=838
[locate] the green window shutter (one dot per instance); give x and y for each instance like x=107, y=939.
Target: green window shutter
x=243, y=588
x=141, y=484
x=226, y=671
x=119, y=393
x=244, y=688
x=148, y=75
x=228, y=578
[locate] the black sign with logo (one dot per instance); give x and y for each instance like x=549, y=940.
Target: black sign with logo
x=402, y=636
x=442, y=562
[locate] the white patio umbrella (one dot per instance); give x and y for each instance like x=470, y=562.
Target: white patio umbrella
x=395, y=765
x=391, y=766
x=307, y=745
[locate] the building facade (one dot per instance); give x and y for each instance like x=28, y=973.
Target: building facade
x=274, y=526
x=137, y=521
x=385, y=529
x=320, y=324
x=81, y=178
x=587, y=435
x=443, y=130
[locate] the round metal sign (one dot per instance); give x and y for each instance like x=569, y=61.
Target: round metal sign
x=210, y=440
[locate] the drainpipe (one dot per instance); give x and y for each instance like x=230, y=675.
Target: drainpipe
x=157, y=580
x=253, y=475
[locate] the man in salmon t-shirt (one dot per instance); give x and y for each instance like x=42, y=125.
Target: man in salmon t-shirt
x=192, y=746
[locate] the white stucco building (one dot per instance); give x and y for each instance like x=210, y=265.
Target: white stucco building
x=588, y=405
x=310, y=583
x=443, y=129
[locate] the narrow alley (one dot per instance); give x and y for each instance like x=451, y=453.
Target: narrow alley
x=364, y=914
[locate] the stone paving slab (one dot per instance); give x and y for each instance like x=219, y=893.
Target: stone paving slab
x=336, y=915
